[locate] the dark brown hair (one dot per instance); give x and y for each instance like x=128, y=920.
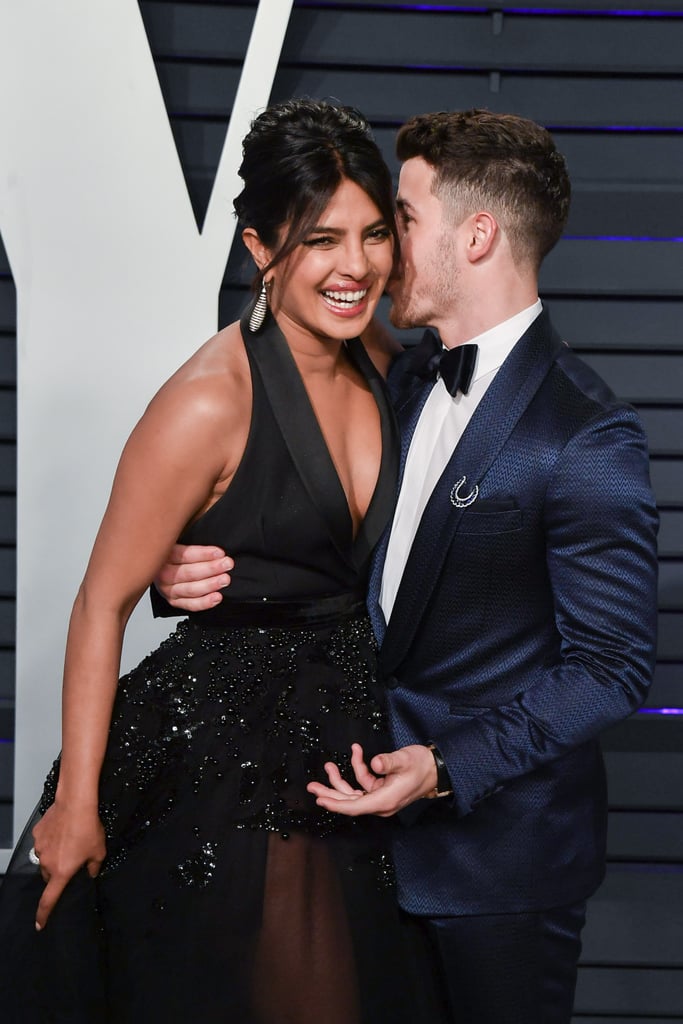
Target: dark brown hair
x=506, y=163
x=295, y=157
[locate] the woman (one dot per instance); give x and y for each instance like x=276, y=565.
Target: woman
x=222, y=892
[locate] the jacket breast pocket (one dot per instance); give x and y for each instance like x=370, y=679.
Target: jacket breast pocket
x=490, y=520
x=466, y=710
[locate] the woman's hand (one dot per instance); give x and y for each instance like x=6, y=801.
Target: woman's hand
x=65, y=842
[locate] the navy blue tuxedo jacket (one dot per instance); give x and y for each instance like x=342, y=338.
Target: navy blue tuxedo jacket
x=524, y=625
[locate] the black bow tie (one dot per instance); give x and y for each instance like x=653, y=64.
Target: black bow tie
x=454, y=365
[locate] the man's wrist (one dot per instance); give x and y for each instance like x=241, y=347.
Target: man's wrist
x=443, y=787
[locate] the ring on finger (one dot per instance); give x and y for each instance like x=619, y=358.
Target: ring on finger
x=33, y=856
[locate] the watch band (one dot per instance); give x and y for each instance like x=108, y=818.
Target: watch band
x=443, y=786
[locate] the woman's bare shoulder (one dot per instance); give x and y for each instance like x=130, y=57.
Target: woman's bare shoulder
x=220, y=358
x=216, y=379
x=200, y=417
x=183, y=452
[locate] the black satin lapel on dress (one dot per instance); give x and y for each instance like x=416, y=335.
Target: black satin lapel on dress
x=383, y=500
x=300, y=429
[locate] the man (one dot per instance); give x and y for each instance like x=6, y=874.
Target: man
x=514, y=597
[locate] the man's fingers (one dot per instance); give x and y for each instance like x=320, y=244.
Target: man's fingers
x=199, y=604
x=339, y=788
x=195, y=573
x=193, y=577
x=182, y=554
x=191, y=590
x=353, y=806
x=373, y=798
x=365, y=778
x=385, y=764
x=336, y=780
x=333, y=796
x=332, y=800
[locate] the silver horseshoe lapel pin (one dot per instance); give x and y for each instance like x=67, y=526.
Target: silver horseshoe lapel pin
x=459, y=500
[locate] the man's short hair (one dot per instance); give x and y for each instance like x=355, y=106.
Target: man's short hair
x=500, y=162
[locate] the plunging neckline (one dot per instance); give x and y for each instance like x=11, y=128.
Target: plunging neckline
x=306, y=442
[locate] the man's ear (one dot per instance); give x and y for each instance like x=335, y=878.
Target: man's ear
x=260, y=253
x=482, y=231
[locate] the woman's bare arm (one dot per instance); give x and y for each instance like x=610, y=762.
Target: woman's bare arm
x=177, y=461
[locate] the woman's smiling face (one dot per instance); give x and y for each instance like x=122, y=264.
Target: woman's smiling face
x=330, y=285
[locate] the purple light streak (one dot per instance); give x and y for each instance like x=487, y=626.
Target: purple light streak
x=660, y=711
x=594, y=128
x=622, y=238
x=593, y=14
x=552, y=11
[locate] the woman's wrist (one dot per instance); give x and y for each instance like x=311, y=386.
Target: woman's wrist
x=77, y=796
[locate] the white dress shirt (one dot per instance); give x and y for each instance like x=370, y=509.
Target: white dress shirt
x=441, y=424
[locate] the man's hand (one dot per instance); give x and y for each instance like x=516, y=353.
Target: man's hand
x=391, y=782
x=193, y=577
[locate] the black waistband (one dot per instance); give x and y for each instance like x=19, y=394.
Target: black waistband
x=318, y=611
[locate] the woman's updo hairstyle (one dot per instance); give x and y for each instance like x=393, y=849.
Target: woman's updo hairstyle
x=294, y=158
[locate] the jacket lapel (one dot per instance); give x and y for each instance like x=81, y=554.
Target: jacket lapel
x=514, y=386
x=408, y=411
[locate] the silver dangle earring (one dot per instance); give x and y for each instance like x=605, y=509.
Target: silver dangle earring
x=258, y=313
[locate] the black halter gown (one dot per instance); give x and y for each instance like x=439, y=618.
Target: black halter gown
x=227, y=895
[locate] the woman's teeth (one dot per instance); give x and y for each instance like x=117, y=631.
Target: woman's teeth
x=342, y=300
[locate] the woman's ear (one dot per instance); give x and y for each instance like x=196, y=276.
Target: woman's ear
x=260, y=253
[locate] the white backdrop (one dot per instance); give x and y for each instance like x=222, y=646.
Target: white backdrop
x=115, y=288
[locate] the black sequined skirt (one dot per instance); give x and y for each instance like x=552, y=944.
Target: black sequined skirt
x=242, y=717
x=227, y=894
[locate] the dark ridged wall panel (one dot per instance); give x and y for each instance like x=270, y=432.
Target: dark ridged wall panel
x=605, y=77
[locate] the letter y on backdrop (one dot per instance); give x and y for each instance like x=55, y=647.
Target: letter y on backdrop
x=115, y=285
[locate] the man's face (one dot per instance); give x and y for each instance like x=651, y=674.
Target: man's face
x=426, y=290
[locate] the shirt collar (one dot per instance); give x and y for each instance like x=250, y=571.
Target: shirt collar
x=496, y=344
